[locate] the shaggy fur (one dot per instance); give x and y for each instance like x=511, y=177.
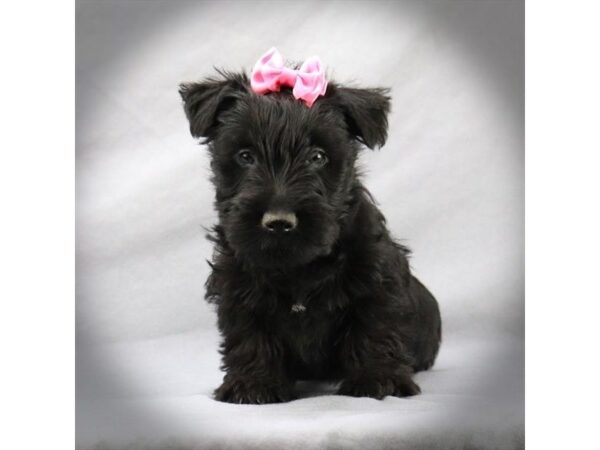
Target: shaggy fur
x=331, y=299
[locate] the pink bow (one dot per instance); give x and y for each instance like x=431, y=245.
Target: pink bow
x=270, y=74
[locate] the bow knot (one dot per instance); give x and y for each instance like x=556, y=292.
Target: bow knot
x=270, y=73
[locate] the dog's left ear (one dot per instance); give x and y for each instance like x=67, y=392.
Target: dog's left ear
x=204, y=102
x=365, y=111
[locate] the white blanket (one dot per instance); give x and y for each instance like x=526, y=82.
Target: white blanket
x=449, y=180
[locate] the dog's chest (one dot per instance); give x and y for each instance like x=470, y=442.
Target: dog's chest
x=310, y=332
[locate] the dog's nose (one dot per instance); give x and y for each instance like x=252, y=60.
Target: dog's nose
x=279, y=221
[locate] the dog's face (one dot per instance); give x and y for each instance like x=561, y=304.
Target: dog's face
x=283, y=172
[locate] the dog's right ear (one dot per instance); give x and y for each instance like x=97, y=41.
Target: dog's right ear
x=205, y=101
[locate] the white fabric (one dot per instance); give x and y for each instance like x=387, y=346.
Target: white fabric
x=449, y=180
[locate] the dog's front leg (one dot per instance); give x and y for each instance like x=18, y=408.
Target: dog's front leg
x=255, y=374
x=375, y=364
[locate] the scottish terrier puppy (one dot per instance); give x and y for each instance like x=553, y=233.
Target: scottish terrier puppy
x=306, y=279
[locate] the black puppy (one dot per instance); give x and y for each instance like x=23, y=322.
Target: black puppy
x=307, y=281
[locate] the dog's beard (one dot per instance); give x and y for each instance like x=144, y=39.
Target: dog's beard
x=315, y=235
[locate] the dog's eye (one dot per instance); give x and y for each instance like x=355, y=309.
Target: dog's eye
x=244, y=158
x=317, y=159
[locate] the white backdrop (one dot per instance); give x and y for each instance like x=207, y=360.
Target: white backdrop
x=450, y=181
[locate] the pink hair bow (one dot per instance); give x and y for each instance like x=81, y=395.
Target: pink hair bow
x=270, y=74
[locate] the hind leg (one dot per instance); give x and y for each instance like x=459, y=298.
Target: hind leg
x=428, y=326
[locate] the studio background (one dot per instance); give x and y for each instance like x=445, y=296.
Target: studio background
x=450, y=181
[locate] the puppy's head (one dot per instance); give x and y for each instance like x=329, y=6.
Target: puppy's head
x=283, y=172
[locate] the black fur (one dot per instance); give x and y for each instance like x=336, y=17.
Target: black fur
x=367, y=322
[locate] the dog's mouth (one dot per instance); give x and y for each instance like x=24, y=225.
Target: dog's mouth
x=281, y=235
x=263, y=247
x=287, y=245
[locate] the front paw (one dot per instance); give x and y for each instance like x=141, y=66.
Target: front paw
x=248, y=391
x=379, y=386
